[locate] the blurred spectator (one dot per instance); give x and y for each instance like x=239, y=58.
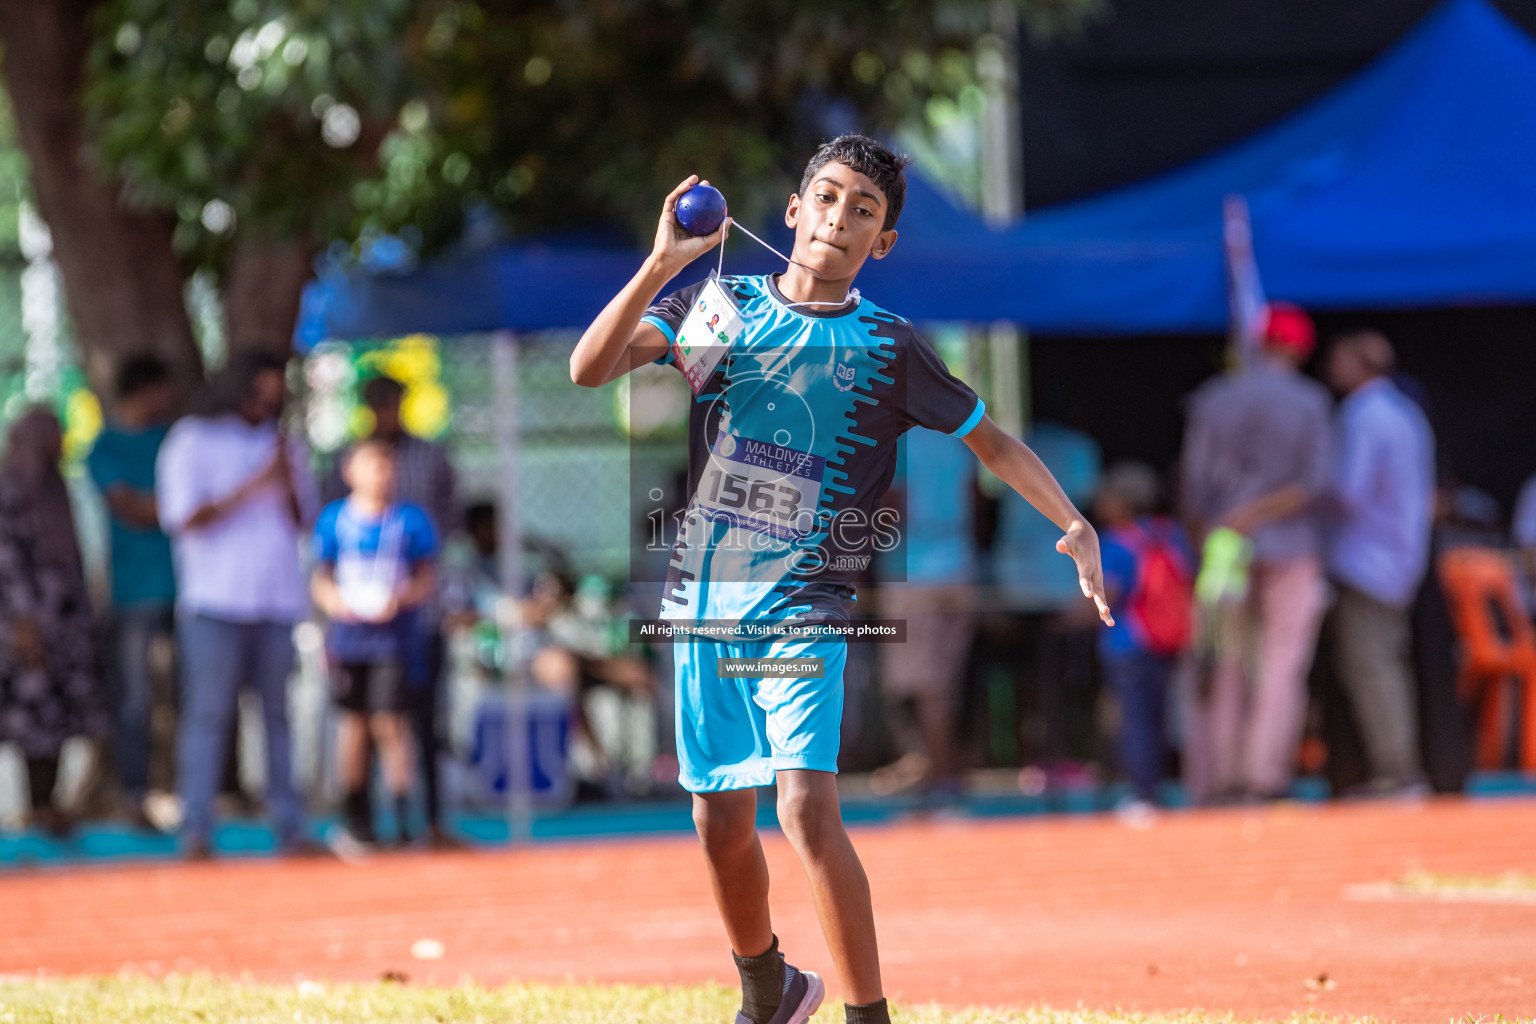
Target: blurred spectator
x=570, y=643
x=936, y=598
x=234, y=492
x=1383, y=497
x=471, y=593
x=1523, y=533
x=1053, y=628
x=49, y=686
x=479, y=579
x=1523, y=526
x=1256, y=462
x=1149, y=579
x=424, y=478
x=375, y=568
x=122, y=464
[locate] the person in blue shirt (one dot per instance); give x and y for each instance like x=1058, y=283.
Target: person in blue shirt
x=122, y=465
x=1152, y=607
x=802, y=389
x=1046, y=639
x=929, y=582
x=375, y=567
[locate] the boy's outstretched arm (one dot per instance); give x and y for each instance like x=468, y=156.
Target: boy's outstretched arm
x=617, y=341
x=1021, y=469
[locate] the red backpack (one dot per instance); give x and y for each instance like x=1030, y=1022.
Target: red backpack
x=1162, y=599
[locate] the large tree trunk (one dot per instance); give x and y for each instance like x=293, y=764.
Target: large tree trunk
x=263, y=282
x=123, y=283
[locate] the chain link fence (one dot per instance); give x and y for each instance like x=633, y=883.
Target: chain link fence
x=575, y=444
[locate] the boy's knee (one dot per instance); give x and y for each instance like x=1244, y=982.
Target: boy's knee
x=723, y=823
x=809, y=816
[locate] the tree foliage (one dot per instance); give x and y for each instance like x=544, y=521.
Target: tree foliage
x=345, y=118
x=13, y=186
x=250, y=115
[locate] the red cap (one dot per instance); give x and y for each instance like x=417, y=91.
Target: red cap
x=1288, y=327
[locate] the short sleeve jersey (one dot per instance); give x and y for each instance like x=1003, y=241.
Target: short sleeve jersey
x=386, y=547
x=792, y=444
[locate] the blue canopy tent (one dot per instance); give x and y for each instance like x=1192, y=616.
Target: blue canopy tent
x=1409, y=186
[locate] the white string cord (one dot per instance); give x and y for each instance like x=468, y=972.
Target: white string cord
x=745, y=230
x=852, y=296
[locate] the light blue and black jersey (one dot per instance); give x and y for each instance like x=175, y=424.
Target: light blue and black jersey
x=792, y=445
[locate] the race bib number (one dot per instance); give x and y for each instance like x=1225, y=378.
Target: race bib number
x=710, y=328
x=760, y=486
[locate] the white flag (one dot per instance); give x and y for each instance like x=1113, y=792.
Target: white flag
x=1245, y=292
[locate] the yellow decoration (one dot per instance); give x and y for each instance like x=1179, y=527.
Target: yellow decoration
x=82, y=423
x=424, y=410
x=411, y=360
x=416, y=362
x=362, y=421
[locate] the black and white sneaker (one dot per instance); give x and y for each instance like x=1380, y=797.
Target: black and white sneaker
x=803, y=992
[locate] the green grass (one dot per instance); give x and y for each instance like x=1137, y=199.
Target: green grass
x=206, y=1000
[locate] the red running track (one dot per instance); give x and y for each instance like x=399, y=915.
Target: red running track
x=1224, y=911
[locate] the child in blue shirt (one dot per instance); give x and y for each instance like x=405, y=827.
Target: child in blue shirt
x=375, y=566
x=1149, y=582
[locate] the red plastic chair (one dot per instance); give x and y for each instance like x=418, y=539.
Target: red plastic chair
x=1498, y=649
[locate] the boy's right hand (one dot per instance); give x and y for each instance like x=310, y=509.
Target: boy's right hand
x=676, y=248
x=1081, y=544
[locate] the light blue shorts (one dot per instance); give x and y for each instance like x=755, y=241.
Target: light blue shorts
x=735, y=733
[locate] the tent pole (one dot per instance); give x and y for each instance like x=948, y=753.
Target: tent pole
x=1002, y=200
x=504, y=357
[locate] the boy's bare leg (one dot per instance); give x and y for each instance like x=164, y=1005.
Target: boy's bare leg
x=393, y=740
x=351, y=750
x=738, y=872
x=813, y=821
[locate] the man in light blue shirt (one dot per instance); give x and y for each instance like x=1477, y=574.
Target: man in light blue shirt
x=1054, y=644
x=1378, y=550
x=935, y=598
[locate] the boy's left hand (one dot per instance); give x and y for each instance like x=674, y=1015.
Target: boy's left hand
x=1081, y=543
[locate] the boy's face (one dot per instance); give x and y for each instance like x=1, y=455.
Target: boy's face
x=370, y=473
x=839, y=223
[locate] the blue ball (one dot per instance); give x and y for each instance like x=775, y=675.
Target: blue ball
x=701, y=210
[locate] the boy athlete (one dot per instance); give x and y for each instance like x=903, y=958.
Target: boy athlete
x=792, y=443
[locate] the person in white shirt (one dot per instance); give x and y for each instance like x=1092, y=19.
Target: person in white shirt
x=1378, y=551
x=235, y=495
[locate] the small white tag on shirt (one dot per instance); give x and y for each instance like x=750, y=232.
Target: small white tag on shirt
x=710, y=328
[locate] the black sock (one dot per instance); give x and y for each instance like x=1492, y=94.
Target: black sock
x=42, y=777
x=762, y=983
x=867, y=1013
x=402, y=817
x=358, y=813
